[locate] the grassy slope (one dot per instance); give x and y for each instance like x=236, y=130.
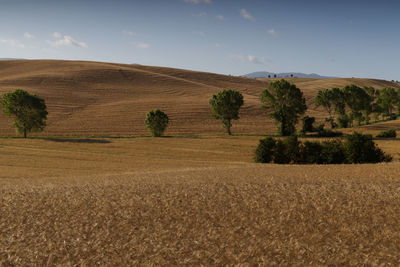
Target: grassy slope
x=93, y=98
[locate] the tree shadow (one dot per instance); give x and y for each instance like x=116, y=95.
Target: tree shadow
x=79, y=140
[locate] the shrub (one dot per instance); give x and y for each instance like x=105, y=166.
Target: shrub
x=332, y=152
x=329, y=133
x=390, y=133
x=280, y=155
x=360, y=148
x=307, y=124
x=322, y=132
x=328, y=152
x=292, y=149
x=311, y=152
x=156, y=122
x=265, y=150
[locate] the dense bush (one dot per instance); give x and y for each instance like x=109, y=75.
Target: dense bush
x=280, y=155
x=265, y=150
x=357, y=148
x=390, y=133
x=360, y=148
x=332, y=152
x=311, y=152
x=292, y=149
x=328, y=133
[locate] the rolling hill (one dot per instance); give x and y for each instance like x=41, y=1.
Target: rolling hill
x=95, y=98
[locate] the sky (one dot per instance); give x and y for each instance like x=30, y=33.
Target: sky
x=353, y=38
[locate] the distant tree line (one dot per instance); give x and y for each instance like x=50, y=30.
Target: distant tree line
x=357, y=104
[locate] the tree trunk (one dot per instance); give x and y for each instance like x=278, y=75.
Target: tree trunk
x=24, y=133
x=228, y=127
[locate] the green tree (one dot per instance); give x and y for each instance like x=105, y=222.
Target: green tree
x=156, y=122
x=324, y=98
x=388, y=99
x=358, y=101
x=30, y=111
x=371, y=105
x=285, y=103
x=338, y=102
x=225, y=105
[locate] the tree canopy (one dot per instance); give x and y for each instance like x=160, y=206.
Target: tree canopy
x=358, y=100
x=325, y=99
x=156, y=122
x=30, y=111
x=388, y=99
x=285, y=103
x=225, y=106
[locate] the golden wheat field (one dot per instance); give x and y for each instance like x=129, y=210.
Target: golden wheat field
x=192, y=198
x=190, y=201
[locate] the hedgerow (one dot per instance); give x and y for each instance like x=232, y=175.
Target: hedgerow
x=357, y=148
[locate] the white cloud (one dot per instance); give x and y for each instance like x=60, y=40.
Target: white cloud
x=218, y=45
x=200, y=15
x=129, y=33
x=272, y=32
x=14, y=43
x=57, y=35
x=198, y=1
x=66, y=40
x=202, y=34
x=246, y=15
x=142, y=45
x=255, y=60
x=250, y=58
x=220, y=17
x=27, y=35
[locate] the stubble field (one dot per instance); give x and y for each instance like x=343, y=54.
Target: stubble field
x=189, y=201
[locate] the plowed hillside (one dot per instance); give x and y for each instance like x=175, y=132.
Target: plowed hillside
x=93, y=98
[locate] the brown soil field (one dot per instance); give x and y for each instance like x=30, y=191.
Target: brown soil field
x=95, y=98
x=191, y=198
x=190, y=201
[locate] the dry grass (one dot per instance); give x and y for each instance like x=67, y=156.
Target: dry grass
x=202, y=201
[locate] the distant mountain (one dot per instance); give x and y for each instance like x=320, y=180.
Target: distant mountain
x=265, y=74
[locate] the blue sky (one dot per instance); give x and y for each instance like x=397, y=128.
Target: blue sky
x=339, y=38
